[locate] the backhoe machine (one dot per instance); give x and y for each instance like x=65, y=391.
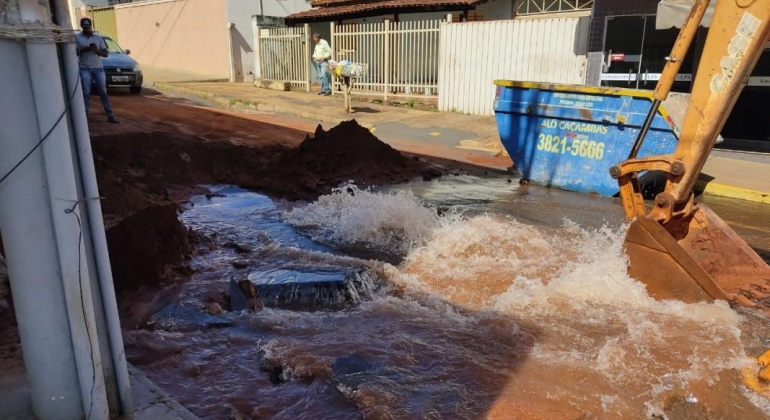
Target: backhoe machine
x=679, y=249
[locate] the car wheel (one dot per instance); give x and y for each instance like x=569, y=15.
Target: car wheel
x=135, y=89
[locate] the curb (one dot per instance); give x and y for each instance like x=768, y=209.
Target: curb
x=230, y=102
x=729, y=191
x=151, y=402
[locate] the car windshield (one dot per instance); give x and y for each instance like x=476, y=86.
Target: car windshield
x=113, y=46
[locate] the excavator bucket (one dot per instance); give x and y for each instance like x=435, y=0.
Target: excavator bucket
x=708, y=261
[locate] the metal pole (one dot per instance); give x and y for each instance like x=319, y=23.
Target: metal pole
x=106, y=307
x=645, y=128
x=308, y=54
x=387, y=61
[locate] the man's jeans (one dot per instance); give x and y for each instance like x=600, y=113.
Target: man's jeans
x=88, y=76
x=320, y=68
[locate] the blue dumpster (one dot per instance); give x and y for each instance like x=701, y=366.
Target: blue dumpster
x=569, y=136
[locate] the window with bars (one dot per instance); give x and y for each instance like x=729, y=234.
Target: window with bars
x=537, y=7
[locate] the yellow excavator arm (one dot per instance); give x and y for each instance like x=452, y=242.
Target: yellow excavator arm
x=679, y=249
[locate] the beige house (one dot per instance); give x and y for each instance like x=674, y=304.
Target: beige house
x=213, y=38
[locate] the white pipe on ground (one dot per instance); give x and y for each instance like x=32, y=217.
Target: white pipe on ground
x=95, y=218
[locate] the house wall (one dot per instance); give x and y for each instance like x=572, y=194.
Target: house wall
x=241, y=13
x=187, y=35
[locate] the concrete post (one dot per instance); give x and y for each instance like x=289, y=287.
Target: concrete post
x=258, y=72
x=50, y=103
x=30, y=246
x=230, y=52
x=42, y=227
x=114, y=364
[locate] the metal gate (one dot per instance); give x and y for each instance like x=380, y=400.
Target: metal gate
x=284, y=55
x=104, y=21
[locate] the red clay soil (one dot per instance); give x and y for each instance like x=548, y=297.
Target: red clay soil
x=164, y=151
x=347, y=152
x=165, y=148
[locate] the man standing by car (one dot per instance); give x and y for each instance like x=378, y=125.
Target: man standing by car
x=91, y=48
x=321, y=57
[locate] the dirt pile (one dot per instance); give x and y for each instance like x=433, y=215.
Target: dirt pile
x=347, y=152
x=144, y=176
x=138, y=170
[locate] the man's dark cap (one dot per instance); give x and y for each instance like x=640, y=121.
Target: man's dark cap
x=85, y=22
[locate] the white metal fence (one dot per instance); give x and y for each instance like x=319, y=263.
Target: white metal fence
x=458, y=62
x=402, y=56
x=284, y=55
x=474, y=54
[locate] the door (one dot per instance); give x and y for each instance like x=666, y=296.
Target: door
x=623, y=42
x=657, y=46
x=635, y=54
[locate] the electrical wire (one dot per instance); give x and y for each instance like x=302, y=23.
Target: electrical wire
x=83, y=303
x=67, y=107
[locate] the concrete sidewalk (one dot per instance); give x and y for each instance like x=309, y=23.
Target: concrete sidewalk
x=745, y=176
x=150, y=402
x=465, y=138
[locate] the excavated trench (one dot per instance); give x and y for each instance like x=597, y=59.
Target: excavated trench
x=146, y=178
x=406, y=309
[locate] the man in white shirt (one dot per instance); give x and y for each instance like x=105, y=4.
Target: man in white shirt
x=90, y=49
x=321, y=57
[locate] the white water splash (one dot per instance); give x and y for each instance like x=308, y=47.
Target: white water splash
x=395, y=221
x=572, y=285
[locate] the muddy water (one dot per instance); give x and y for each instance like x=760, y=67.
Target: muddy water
x=494, y=302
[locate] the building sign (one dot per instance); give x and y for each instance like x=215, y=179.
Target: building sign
x=759, y=81
x=617, y=57
x=648, y=77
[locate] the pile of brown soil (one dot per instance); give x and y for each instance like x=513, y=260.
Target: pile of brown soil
x=138, y=170
x=143, y=177
x=347, y=152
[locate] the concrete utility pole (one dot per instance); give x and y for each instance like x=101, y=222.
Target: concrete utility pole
x=51, y=222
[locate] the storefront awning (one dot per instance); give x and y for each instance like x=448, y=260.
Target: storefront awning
x=672, y=13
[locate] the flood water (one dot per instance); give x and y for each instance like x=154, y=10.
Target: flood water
x=460, y=298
